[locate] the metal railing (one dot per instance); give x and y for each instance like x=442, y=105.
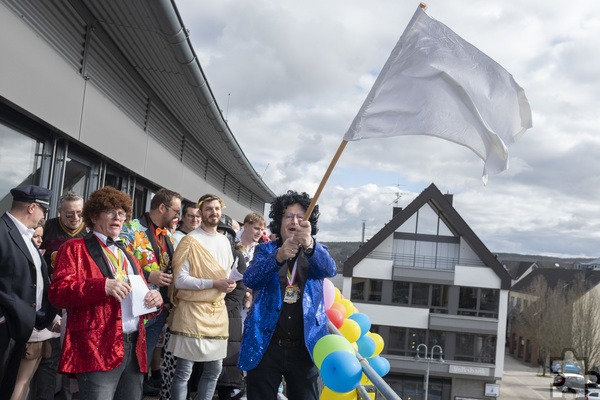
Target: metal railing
x=382, y=387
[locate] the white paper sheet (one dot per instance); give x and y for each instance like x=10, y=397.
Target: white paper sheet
x=138, y=293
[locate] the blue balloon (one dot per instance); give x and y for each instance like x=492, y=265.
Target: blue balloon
x=363, y=321
x=341, y=371
x=380, y=365
x=366, y=346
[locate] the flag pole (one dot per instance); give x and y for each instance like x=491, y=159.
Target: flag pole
x=313, y=203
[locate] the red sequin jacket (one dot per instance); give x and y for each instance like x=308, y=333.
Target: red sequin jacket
x=94, y=334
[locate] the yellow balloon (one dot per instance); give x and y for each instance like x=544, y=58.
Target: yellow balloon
x=338, y=295
x=349, y=307
x=350, y=330
x=365, y=381
x=378, y=342
x=328, y=394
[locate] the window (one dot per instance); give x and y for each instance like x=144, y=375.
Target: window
x=366, y=289
x=421, y=295
x=397, y=341
x=479, y=302
x=475, y=348
x=21, y=162
x=439, y=298
x=400, y=292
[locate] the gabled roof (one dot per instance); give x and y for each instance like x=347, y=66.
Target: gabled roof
x=517, y=268
x=449, y=215
x=555, y=275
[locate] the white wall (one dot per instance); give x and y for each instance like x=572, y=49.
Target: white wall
x=483, y=277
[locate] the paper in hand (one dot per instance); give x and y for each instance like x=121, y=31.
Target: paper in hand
x=138, y=293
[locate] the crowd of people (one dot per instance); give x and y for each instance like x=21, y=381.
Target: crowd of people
x=180, y=301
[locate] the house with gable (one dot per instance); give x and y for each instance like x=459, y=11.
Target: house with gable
x=426, y=279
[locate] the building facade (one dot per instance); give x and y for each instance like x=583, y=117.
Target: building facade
x=96, y=93
x=425, y=279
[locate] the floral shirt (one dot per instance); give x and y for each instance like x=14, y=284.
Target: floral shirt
x=135, y=236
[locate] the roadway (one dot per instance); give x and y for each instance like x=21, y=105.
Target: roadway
x=523, y=382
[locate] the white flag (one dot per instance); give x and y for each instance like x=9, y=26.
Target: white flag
x=435, y=83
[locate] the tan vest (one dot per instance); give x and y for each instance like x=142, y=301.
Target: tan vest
x=198, y=313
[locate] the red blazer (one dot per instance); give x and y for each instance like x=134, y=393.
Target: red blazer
x=94, y=333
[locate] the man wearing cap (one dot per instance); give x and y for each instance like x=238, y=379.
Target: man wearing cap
x=199, y=328
x=24, y=280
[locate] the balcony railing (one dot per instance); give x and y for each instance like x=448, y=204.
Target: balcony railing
x=422, y=261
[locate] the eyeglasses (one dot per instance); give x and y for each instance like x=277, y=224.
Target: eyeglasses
x=114, y=213
x=73, y=214
x=291, y=216
x=171, y=208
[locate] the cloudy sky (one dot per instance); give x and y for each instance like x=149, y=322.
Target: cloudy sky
x=291, y=75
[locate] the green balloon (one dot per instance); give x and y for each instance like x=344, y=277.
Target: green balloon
x=328, y=344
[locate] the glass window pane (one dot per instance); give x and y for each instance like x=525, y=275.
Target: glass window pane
x=439, y=296
x=467, y=302
x=427, y=221
x=420, y=294
x=375, y=290
x=437, y=338
x=358, y=289
x=400, y=292
x=415, y=338
x=410, y=226
x=465, y=347
x=20, y=162
x=396, y=343
x=489, y=300
x=76, y=177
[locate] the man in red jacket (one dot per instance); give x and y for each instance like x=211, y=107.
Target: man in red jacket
x=105, y=340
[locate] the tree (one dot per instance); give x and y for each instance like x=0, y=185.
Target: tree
x=547, y=318
x=586, y=327
x=563, y=317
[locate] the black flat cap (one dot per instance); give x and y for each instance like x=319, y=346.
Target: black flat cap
x=32, y=194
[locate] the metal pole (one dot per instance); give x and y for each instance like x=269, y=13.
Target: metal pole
x=427, y=379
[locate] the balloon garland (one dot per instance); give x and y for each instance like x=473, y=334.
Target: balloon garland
x=336, y=356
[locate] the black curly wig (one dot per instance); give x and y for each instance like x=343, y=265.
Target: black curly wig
x=282, y=202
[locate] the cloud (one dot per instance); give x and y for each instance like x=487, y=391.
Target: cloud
x=291, y=76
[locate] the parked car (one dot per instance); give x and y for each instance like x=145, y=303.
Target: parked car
x=593, y=394
x=570, y=383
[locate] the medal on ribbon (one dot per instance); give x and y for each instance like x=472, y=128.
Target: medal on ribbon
x=292, y=291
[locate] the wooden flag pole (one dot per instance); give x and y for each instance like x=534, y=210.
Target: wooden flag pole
x=313, y=203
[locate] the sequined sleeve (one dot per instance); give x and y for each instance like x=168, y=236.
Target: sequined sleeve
x=76, y=282
x=262, y=267
x=322, y=265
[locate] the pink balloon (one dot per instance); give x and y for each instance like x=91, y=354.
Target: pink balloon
x=328, y=293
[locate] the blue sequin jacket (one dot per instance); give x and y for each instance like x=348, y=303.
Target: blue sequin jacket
x=262, y=277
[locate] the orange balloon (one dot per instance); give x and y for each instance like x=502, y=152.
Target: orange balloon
x=340, y=307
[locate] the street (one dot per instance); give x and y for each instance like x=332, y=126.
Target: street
x=522, y=382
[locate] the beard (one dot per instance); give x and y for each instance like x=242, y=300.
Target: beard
x=211, y=221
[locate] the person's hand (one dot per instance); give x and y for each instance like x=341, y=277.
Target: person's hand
x=153, y=299
x=302, y=234
x=160, y=278
x=116, y=289
x=224, y=285
x=287, y=251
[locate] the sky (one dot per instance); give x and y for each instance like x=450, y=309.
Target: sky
x=290, y=76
